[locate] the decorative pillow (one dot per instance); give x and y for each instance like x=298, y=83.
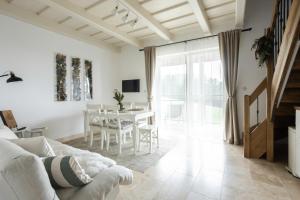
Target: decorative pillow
x=36, y=145
x=65, y=171
x=6, y=133
x=22, y=174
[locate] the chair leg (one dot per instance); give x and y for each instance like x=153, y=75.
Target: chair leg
x=107, y=141
x=124, y=138
x=150, y=140
x=139, y=142
x=117, y=139
x=120, y=143
x=102, y=139
x=85, y=135
x=157, y=138
x=91, y=138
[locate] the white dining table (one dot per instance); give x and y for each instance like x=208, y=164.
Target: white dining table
x=133, y=116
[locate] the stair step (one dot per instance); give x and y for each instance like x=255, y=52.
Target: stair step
x=294, y=76
x=297, y=62
x=283, y=121
x=293, y=84
x=291, y=96
x=286, y=109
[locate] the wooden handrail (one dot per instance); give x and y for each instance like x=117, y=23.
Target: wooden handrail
x=259, y=89
x=248, y=100
x=288, y=44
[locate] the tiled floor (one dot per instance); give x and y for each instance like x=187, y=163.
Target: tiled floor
x=196, y=170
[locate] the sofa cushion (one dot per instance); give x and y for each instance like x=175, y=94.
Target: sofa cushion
x=36, y=145
x=6, y=133
x=24, y=173
x=65, y=171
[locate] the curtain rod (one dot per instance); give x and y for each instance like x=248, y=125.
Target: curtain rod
x=243, y=30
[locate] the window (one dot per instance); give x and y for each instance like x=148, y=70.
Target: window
x=190, y=92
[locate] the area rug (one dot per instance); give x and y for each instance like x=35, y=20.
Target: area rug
x=139, y=162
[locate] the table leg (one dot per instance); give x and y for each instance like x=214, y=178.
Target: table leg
x=85, y=126
x=135, y=137
x=120, y=142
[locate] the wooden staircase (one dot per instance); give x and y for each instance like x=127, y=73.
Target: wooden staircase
x=282, y=84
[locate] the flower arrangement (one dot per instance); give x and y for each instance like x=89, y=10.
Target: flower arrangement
x=119, y=97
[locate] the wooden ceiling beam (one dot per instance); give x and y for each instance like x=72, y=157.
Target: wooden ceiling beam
x=240, y=13
x=81, y=27
x=93, y=5
x=147, y=18
x=96, y=33
x=199, y=10
x=92, y=20
x=177, y=18
x=64, y=20
x=169, y=8
x=111, y=15
x=39, y=21
x=42, y=10
x=220, y=5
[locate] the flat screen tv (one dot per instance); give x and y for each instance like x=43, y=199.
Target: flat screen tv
x=131, y=85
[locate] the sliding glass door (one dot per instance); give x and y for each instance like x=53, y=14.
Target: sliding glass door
x=190, y=93
x=172, y=102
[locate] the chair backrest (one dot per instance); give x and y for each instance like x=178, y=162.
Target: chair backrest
x=128, y=105
x=93, y=106
x=144, y=105
x=108, y=108
x=112, y=118
x=8, y=119
x=95, y=117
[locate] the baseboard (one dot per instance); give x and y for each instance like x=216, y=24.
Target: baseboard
x=71, y=137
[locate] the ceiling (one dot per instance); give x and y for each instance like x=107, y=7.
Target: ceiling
x=92, y=21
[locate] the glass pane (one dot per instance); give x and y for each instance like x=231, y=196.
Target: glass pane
x=173, y=92
x=191, y=94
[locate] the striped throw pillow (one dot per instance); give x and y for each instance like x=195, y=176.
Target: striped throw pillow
x=65, y=171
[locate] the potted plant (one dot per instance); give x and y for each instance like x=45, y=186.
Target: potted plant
x=119, y=97
x=263, y=49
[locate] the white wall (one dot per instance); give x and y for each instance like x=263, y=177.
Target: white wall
x=29, y=52
x=132, y=66
x=258, y=17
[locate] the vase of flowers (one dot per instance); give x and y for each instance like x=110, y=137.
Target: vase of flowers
x=119, y=97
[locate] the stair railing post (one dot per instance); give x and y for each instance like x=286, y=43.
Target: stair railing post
x=270, y=126
x=247, y=126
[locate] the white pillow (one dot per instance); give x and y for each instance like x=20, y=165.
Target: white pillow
x=24, y=173
x=65, y=171
x=36, y=145
x=6, y=133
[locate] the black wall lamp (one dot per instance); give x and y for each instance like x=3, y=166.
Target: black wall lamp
x=12, y=77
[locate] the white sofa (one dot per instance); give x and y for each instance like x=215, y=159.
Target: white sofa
x=106, y=174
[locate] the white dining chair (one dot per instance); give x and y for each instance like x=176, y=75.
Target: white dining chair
x=98, y=126
x=116, y=127
x=89, y=115
x=110, y=108
x=148, y=133
x=128, y=105
x=145, y=107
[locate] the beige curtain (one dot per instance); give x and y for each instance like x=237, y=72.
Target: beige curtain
x=150, y=62
x=229, y=52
